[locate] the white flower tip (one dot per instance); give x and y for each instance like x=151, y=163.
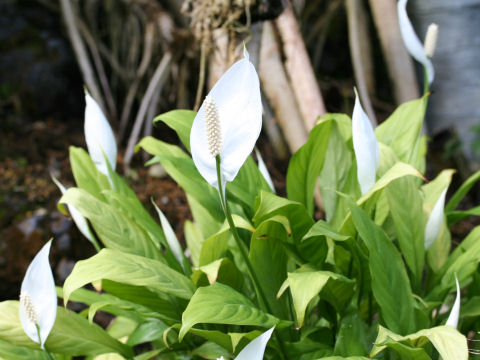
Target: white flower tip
x=99, y=136
x=455, y=312
x=431, y=40
x=367, y=152
x=434, y=222
x=256, y=348
x=212, y=126
x=246, y=55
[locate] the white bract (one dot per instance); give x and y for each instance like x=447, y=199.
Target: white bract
x=455, y=312
x=435, y=220
x=411, y=40
x=77, y=217
x=99, y=137
x=256, y=348
x=365, y=146
x=228, y=123
x=38, y=298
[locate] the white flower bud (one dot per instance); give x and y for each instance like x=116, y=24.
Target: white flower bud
x=431, y=40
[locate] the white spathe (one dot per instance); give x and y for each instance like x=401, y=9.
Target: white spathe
x=435, y=220
x=38, y=304
x=455, y=312
x=256, y=348
x=99, y=136
x=77, y=217
x=237, y=98
x=411, y=40
x=365, y=146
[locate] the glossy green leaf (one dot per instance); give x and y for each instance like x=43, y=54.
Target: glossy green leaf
x=220, y=304
x=338, y=290
x=11, y=351
x=268, y=205
x=269, y=261
x=450, y=344
x=182, y=169
x=86, y=174
x=334, y=174
x=401, y=131
x=130, y=269
x=351, y=337
x=390, y=283
x=146, y=332
x=179, y=120
x=406, y=208
x=306, y=164
x=114, y=228
x=221, y=270
x=462, y=191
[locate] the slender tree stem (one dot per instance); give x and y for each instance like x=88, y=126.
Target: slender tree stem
x=243, y=251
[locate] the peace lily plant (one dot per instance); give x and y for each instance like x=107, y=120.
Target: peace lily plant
x=420, y=52
x=258, y=276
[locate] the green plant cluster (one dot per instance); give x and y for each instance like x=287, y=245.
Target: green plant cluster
x=356, y=285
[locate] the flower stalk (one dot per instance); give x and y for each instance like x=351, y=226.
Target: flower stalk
x=262, y=298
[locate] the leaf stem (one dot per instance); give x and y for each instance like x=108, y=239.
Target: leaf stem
x=262, y=299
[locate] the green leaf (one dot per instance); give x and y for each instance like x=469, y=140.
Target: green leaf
x=462, y=191
x=210, y=350
x=164, y=304
x=345, y=358
x=397, y=171
x=246, y=186
x=146, y=332
x=221, y=270
x=11, y=351
x=351, y=338
x=334, y=174
x=268, y=205
x=220, y=304
x=86, y=174
x=120, y=307
x=321, y=228
x=455, y=216
x=71, y=334
x=304, y=286
x=306, y=164
x=182, y=169
x=450, y=344
x=179, y=120
x=462, y=263
x=401, y=131
x=390, y=283
x=269, y=261
x=114, y=228
x=130, y=269
x=406, y=208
